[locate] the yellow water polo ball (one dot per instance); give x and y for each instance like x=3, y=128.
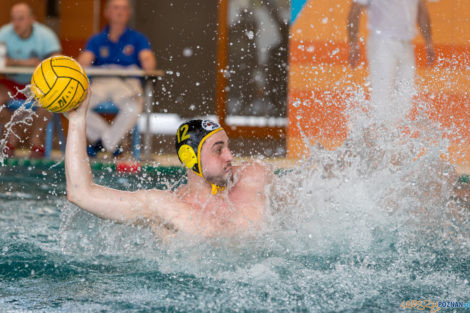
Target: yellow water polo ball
x=59, y=84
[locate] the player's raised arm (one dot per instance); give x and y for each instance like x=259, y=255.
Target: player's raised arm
x=148, y=206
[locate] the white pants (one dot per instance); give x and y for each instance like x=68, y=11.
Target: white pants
x=392, y=71
x=126, y=94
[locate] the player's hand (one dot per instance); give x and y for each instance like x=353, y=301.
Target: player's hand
x=82, y=108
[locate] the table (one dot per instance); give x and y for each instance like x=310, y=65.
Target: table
x=148, y=76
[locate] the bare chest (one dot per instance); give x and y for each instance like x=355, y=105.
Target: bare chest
x=229, y=213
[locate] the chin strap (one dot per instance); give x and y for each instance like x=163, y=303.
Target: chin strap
x=216, y=189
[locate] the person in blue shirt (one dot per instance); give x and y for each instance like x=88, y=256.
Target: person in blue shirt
x=27, y=43
x=116, y=46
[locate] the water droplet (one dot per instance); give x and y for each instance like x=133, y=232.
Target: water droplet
x=187, y=52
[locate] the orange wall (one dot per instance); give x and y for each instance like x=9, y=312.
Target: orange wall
x=321, y=79
x=76, y=25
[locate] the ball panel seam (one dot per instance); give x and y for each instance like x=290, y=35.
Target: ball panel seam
x=61, y=93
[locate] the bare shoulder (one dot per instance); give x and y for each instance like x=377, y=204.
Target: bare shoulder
x=255, y=172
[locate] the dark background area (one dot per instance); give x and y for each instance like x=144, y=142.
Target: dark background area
x=188, y=89
x=184, y=37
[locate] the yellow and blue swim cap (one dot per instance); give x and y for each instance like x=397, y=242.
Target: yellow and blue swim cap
x=190, y=137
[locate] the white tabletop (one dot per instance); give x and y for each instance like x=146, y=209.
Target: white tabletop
x=91, y=71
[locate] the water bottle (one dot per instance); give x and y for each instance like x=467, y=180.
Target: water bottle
x=3, y=55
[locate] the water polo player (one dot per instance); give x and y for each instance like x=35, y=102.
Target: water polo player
x=190, y=137
x=219, y=199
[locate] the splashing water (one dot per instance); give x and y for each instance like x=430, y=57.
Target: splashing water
x=361, y=228
x=21, y=118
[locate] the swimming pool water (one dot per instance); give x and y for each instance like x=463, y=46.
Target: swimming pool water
x=328, y=249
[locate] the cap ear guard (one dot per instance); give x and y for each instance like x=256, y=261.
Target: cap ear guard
x=187, y=156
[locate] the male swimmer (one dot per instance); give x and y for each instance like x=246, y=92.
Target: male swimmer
x=218, y=200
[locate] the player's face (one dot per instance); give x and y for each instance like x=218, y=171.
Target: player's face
x=118, y=12
x=216, y=159
x=22, y=20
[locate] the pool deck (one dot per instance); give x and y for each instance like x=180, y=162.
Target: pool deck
x=157, y=159
x=171, y=160
x=168, y=162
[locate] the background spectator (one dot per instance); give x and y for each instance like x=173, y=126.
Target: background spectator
x=116, y=45
x=27, y=42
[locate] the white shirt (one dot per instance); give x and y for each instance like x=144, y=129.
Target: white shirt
x=392, y=18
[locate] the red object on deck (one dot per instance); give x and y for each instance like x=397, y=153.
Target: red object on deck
x=128, y=167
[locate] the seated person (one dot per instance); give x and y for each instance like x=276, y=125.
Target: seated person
x=116, y=45
x=27, y=43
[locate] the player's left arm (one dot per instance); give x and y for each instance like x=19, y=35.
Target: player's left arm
x=424, y=25
x=257, y=176
x=255, y=181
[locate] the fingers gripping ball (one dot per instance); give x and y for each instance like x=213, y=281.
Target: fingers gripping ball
x=59, y=84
